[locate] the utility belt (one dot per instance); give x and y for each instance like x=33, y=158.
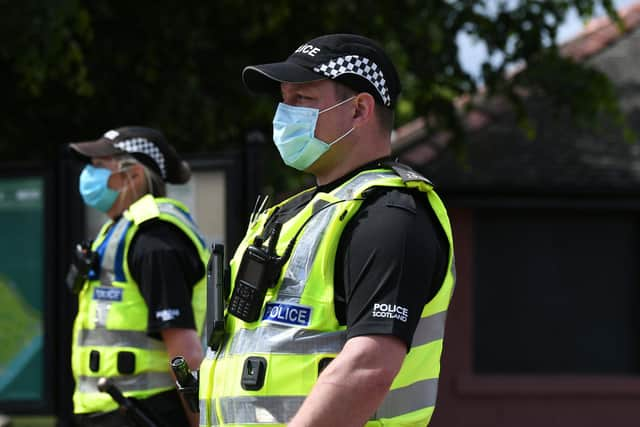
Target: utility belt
x=166, y=408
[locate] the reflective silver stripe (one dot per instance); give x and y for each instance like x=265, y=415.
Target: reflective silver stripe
x=306, y=249
x=212, y=413
x=259, y=409
x=349, y=191
x=281, y=409
x=107, y=269
x=304, y=254
x=144, y=381
x=429, y=329
x=283, y=339
x=173, y=210
x=210, y=354
x=217, y=354
x=403, y=400
x=118, y=338
x=202, y=411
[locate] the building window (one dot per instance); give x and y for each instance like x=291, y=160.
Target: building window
x=556, y=292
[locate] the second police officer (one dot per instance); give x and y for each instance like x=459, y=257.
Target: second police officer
x=141, y=296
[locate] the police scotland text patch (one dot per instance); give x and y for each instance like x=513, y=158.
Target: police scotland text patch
x=390, y=311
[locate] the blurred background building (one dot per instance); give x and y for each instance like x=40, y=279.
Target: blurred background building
x=544, y=328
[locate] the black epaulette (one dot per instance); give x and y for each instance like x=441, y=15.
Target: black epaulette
x=406, y=173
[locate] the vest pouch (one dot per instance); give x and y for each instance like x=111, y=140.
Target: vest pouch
x=94, y=361
x=253, y=373
x=126, y=362
x=323, y=363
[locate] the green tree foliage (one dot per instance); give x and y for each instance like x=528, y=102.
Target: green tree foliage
x=72, y=69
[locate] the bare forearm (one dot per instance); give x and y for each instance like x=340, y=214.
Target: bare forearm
x=351, y=388
x=185, y=343
x=339, y=403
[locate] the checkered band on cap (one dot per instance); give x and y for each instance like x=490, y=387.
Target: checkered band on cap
x=354, y=64
x=144, y=146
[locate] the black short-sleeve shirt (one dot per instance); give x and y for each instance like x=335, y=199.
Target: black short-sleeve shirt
x=166, y=266
x=391, y=260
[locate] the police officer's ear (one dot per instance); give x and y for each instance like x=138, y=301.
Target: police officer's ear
x=365, y=106
x=135, y=172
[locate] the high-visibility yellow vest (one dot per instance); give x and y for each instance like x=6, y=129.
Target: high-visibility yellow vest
x=297, y=332
x=110, y=329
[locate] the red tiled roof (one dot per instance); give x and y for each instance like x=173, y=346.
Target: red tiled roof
x=600, y=33
x=597, y=35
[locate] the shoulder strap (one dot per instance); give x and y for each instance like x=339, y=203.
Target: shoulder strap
x=142, y=210
x=407, y=173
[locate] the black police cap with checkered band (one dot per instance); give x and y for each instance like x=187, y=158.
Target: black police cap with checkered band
x=147, y=145
x=355, y=61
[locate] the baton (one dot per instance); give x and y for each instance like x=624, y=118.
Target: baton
x=186, y=382
x=134, y=412
x=215, y=297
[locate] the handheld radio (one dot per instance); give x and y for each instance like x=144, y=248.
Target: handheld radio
x=83, y=261
x=259, y=270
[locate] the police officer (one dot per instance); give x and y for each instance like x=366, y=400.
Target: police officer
x=336, y=316
x=142, y=298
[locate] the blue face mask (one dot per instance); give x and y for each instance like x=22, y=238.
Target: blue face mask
x=95, y=190
x=294, y=131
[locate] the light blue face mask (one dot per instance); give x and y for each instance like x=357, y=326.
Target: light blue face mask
x=95, y=190
x=294, y=131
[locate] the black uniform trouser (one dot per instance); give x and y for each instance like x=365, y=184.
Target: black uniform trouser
x=165, y=408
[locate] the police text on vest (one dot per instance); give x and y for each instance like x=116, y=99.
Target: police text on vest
x=107, y=293
x=287, y=314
